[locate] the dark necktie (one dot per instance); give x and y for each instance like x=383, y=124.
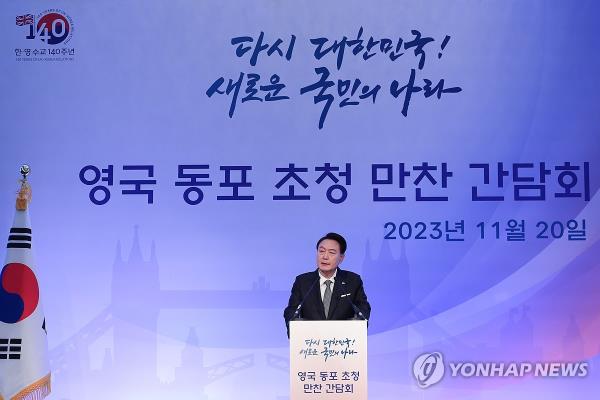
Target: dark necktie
x=327, y=297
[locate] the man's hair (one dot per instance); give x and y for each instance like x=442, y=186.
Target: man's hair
x=338, y=238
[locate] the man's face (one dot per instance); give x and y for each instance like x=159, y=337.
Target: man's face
x=328, y=256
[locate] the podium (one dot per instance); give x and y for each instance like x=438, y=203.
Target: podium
x=328, y=360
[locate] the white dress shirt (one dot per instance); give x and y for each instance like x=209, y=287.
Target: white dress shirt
x=323, y=285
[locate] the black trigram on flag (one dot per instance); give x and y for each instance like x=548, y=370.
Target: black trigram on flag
x=19, y=238
x=10, y=349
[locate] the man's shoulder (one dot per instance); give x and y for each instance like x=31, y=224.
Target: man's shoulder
x=348, y=275
x=342, y=273
x=307, y=275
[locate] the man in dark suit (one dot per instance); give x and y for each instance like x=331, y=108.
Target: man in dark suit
x=329, y=292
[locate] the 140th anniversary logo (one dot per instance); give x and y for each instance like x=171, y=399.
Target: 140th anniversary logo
x=50, y=32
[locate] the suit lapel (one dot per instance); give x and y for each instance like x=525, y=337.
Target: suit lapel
x=337, y=291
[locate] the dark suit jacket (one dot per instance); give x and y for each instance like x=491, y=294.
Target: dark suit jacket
x=346, y=282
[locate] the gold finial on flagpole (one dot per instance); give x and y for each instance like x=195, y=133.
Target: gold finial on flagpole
x=24, y=194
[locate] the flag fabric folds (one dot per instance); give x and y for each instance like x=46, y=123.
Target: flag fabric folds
x=24, y=365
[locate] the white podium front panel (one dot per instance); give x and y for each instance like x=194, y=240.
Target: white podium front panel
x=328, y=360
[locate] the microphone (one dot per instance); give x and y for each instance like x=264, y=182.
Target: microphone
x=358, y=312
x=354, y=307
x=297, y=312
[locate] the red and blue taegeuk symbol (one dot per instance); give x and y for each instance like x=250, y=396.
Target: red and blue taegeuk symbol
x=19, y=293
